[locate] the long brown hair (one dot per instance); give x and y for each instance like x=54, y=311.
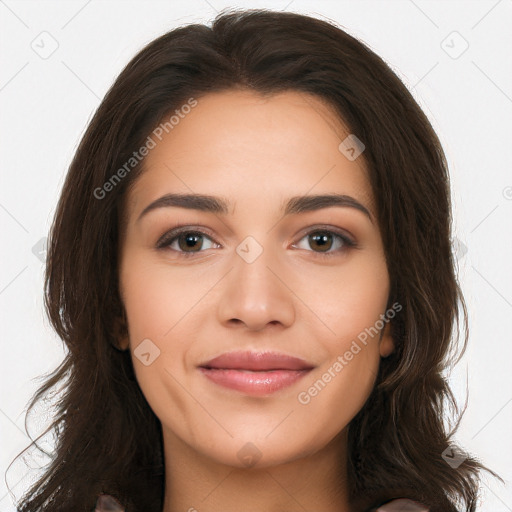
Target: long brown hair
x=107, y=437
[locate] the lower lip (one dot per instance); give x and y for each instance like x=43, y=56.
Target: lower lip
x=254, y=383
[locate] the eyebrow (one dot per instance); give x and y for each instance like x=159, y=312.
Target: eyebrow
x=219, y=205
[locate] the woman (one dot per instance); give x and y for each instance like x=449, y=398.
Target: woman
x=294, y=361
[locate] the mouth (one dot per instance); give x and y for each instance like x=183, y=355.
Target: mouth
x=255, y=373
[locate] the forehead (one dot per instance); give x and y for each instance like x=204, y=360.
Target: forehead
x=253, y=149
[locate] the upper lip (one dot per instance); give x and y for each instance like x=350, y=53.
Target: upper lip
x=257, y=361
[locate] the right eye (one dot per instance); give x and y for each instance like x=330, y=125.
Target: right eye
x=184, y=241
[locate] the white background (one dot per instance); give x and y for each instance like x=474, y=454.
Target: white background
x=46, y=104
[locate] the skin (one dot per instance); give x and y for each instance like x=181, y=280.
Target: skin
x=256, y=152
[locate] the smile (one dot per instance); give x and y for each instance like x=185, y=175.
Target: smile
x=255, y=373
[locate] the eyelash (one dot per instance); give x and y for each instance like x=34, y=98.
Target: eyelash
x=168, y=238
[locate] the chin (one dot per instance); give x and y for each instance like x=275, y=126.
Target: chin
x=256, y=452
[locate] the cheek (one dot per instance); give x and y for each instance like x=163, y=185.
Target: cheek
x=351, y=309
x=348, y=301
x=159, y=305
x=156, y=298
x=330, y=400
x=337, y=390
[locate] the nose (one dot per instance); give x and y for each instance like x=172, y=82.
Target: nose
x=257, y=293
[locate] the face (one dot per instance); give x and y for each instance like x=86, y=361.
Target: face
x=260, y=282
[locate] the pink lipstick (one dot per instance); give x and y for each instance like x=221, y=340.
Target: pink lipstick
x=255, y=373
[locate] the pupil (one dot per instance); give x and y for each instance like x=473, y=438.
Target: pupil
x=322, y=240
x=190, y=240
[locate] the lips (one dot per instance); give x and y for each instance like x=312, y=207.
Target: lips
x=257, y=361
x=256, y=373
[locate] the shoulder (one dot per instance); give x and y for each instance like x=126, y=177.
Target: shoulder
x=107, y=503
x=401, y=505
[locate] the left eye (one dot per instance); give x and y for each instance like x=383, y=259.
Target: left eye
x=323, y=239
x=186, y=242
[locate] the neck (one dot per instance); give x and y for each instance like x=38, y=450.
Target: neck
x=197, y=483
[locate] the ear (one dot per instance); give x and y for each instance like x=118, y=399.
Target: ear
x=120, y=333
x=386, y=343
